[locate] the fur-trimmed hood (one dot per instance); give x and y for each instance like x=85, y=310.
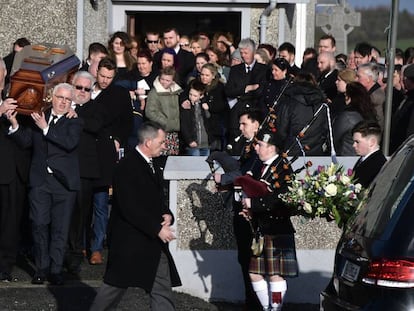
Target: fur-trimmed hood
x=174, y=89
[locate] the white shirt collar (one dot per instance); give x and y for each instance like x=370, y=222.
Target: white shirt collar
x=143, y=155
x=270, y=161
x=251, y=65
x=369, y=154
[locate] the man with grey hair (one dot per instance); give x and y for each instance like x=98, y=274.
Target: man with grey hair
x=244, y=88
x=88, y=111
x=367, y=75
x=53, y=180
x=141, y=228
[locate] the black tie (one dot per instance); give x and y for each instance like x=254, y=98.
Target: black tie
x=151, y=166
x=263, y=169
x=53, y=120
x=248, y=69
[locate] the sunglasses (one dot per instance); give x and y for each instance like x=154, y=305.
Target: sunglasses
x=152, y=41
x=80, y=88
x=184, y=44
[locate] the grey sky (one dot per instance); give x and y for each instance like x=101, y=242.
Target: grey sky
x=404, y=4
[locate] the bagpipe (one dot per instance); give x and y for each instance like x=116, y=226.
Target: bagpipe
x=280, y=172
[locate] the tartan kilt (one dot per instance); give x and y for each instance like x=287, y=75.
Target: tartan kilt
x=278, y=257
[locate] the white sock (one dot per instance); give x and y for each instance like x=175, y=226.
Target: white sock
x=278, y=290
x=262, y=292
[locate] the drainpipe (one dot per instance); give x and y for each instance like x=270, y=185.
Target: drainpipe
x=79, y=29
x=263, y=20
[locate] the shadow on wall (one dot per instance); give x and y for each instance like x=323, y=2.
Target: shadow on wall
x=205, y=226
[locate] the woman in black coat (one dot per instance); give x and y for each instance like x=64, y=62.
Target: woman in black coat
x=271, y=92
x=358, y=108
x=218, y=109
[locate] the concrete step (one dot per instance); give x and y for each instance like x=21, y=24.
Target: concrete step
x=76, y=294
x=79, y=291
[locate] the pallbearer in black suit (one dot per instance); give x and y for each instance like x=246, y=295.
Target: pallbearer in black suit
x=367, y=138
x=87, y=110
x=14, y=171
x=54, y=180
x=140, y=229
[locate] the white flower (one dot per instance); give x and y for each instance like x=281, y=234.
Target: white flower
x=332, y=178
x=307, y=208
x=331, y=169
x=300, y=192
x=358, y=188
x=331, y=190
x=345, y=179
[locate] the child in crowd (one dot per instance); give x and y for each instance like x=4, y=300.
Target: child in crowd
x=194, y=115
x=163, y=107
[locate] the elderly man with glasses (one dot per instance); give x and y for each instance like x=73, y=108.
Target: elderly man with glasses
x=54, y=179
x=88, y=111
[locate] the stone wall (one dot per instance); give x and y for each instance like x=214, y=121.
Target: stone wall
x=204, y=221
x=95, y=25
x=52, y=22
x=39, y=21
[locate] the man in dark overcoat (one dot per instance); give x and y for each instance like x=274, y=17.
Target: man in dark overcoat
x=114, y=105
x=244, y=87
x=140, y=228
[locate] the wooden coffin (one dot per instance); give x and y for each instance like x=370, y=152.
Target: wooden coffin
x=36, y=70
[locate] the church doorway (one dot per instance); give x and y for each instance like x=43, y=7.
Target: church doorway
x=187, y=23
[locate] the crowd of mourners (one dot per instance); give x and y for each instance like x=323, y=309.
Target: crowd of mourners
x=197, y=88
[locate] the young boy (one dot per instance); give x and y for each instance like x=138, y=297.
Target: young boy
x=367, y=138
x=194, y=115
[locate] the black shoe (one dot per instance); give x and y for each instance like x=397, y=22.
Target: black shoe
x=56, y=279
x=38, y=279
x=5, y=277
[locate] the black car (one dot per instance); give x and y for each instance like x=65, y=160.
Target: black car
x=374, y=261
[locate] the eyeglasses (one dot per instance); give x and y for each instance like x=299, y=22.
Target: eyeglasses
x=80, y=88
x=152, y=41
x=65, y=99
x=184, y=44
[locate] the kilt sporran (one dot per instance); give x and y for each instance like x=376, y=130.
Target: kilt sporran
x=257, y=243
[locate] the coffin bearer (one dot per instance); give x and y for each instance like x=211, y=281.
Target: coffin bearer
x=54, y=180
x=14, y=171
x=88, y=111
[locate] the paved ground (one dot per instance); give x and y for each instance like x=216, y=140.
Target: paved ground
x=78, y=292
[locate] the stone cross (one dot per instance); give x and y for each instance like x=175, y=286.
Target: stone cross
x=339, y=21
